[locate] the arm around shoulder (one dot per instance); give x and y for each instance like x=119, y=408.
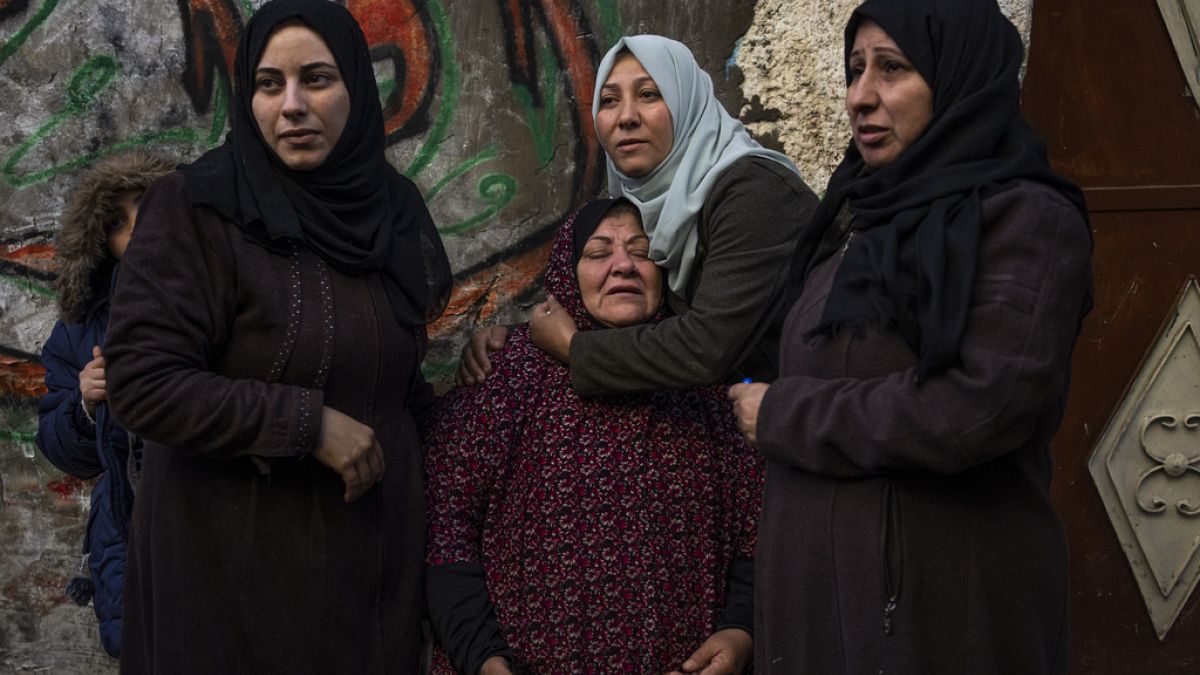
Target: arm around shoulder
x=753, y=219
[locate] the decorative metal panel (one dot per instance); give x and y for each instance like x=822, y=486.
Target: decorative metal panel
x=1183, y=23
x=1147, y=467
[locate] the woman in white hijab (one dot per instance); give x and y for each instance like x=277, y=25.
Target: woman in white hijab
x=725, y=215
x=727, y=219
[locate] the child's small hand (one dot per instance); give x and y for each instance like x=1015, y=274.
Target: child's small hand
x=91, y=381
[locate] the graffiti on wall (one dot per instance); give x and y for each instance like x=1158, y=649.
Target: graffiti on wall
x=551, y=75
x=487, y=107
x=496, y=193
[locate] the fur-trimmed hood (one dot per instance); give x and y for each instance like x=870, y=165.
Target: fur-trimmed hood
x=81, y=243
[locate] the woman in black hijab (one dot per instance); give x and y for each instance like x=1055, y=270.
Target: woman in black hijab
x=907, y=524
x=266, y=335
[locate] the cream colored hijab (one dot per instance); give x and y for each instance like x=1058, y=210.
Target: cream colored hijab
x=707, y=140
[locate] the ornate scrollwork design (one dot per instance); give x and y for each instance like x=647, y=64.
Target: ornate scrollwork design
x=1173, y=465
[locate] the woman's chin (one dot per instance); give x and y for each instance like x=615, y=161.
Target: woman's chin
x=633, y=168
x=622, y=319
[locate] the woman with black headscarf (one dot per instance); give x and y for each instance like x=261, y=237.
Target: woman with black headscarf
x=265, y=340
x=907, y=524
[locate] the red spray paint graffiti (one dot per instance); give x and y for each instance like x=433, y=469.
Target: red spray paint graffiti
x=68, y=488
x=38, y=256
x=210, y=29
x=396, y=30
x=403, y=37
x=564, y=24
x=400, y=32
x=21, y=378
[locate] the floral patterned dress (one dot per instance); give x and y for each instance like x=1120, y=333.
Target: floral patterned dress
x=605, y=527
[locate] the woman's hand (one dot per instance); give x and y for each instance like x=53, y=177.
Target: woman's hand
x=551, y=329
x=91, y=382
x=475, y=366
x=725, y=652
x=496, y=665
x=349, y=447
x=746, y=400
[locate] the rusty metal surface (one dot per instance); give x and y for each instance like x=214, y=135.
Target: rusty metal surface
x=1106, y=90
x=1105, y=87
x=1142, y=259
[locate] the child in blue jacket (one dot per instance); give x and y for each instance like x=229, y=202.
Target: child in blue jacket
x=75, y=431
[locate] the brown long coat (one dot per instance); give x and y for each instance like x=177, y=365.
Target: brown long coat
x=936, y=493
x=244, y=557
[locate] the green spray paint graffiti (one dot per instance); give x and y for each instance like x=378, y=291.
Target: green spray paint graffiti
x=610, y=20
x=552, y=75
x=540, y=111
x=14, y=43
x=542, y=126
x=85, y=85
x=28, y=285
x=561, y=22
x=500, y=189
x=99, y=72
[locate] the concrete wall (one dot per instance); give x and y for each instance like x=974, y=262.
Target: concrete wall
x=487, y=106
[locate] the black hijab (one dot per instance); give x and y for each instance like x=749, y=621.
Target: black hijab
x=587, y=219
x=354, y=210
x=562, y=278
x=918, y=220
